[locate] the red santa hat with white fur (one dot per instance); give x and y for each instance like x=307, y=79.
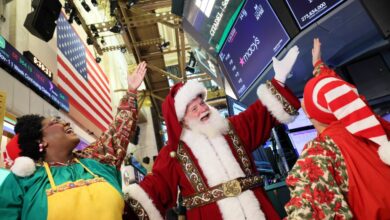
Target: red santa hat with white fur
x=175, y=105
x=19, y=165
x=328, y=98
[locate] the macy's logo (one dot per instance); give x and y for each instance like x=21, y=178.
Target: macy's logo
x=252, y=48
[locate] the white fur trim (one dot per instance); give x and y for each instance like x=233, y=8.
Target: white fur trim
x=23, y=166
x=219, y=165
x=186, y=94
x=273, y=105
x=137, y=193
x=384, y=153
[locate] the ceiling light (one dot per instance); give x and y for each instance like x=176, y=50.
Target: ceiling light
x=113, y=6
x=67, y=7
x=93, y=28
x=89, y=41
x=103, y=42
x=85, y=6
x=72, y=16
x=94, y=3
x=77, y=20
x=117, y=28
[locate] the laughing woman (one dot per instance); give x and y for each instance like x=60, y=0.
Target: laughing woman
x=52, y=181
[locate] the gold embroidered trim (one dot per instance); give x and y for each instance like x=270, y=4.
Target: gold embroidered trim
x=138, y=209
x=72, y=185
x=240, y=150
x=230, y=188
x=287, y=107
x=317, y=69
x=190, y=169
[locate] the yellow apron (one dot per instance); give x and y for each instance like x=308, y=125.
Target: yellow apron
x=83, y=199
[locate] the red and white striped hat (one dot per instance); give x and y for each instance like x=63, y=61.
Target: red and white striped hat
x=328, y=98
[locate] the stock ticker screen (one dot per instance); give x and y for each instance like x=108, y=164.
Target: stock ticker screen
x=308, y=11
x=256, y=36
x=209, y=21
x=18, y=66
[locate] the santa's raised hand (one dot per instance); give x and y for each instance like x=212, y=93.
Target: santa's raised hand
x=135, y=79
x=283, y=67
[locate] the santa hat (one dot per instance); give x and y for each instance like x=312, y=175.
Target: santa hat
x=186, y=94
x=175, y=105
x=20, y=165
x=328, y=98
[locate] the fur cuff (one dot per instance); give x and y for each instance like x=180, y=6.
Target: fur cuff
x=384, y=153
x=186, y=94
x=23, y=167
x=273, y=105
x=137, y=193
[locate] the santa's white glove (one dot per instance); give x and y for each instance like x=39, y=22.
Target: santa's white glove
x=283, y=67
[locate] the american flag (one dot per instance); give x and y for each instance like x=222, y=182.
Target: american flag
x=81, y=78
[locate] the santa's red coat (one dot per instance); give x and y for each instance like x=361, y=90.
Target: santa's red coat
x=216, y=166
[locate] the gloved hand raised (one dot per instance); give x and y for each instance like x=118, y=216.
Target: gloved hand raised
x=283, y=67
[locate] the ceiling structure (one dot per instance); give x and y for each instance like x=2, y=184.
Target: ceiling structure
x=142, y=26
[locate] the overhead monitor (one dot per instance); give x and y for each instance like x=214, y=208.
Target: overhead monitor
x=209, y=21
x=301, y=122
x=21, y=68
x=235, y=107
x=300, y=138
x=306, y=12
x=256, y=36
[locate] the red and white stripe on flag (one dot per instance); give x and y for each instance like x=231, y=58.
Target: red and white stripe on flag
x=81, y=78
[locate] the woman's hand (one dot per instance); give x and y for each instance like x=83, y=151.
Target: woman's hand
x=316, y=51
x=135, y=79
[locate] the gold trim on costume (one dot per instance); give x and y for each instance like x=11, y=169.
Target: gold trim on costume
x=72, y=185
x=138, y=209
x=287, y=107
x=230, y=188
x=244, y=160
x=189, y=168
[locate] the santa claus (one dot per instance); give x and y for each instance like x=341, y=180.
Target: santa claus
x=208, y=158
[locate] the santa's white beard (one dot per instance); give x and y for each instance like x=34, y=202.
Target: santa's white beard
x=214, y=126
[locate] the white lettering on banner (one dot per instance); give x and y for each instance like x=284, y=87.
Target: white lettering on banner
x=242, y=89
x=218, y=18
x=3, y=58
x=259, y=11
x=19, y=71
x=252, y=48
x=314, y=12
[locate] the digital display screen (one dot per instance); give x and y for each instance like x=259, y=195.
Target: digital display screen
x=138, y=175
x=255, y=38
x=300, y=138
x=300, y=121
x=308, y=11
x=235, y=107
x=209, y=21
x=28, y=73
